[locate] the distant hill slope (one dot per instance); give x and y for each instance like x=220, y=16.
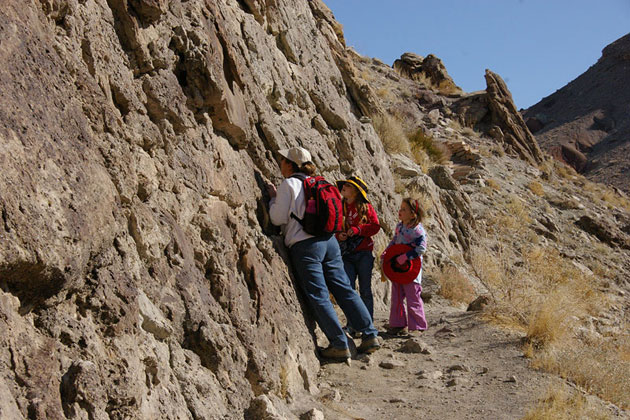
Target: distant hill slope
x=587, y=122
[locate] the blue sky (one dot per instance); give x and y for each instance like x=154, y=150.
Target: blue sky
x=536, y=46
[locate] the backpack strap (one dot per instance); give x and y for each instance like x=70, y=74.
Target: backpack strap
x=302, y=177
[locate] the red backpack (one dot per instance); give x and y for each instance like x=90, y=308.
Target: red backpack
x=324, y=208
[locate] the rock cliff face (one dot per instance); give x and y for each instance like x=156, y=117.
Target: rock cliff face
x=586, y=124
x=139, y=277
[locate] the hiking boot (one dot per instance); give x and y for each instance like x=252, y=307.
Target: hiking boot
x=335, y=353
x=369, y=345
x=415, y=333
x=401, y=331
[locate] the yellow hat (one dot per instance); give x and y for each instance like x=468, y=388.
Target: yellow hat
x=356, y=182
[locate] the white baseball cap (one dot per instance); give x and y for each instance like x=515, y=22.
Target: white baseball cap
x=298, y=155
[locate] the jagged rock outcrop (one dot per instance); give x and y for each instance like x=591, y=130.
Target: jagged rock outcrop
x=585, y=123
x=493, y=112
x=429, y=69
x=138, y=276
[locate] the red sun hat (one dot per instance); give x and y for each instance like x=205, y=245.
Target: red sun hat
x=401, y=274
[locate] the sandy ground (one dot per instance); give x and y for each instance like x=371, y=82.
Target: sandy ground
x=467, y=369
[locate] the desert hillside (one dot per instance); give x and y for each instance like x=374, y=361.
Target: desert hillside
x=586, y=124
x=140, y=277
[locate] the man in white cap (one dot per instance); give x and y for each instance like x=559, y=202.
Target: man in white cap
x=317, y=261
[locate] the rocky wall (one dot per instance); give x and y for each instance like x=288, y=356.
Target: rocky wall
x=139, y=276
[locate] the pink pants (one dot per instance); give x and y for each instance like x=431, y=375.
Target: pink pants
x=413, y=317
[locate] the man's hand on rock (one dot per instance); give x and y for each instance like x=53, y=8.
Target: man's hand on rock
x=271, y=189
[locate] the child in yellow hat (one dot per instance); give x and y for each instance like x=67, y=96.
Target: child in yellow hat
x=360, y=224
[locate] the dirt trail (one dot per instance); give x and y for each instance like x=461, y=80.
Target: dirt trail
x=473, y=370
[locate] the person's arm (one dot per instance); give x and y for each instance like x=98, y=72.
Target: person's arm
x=419, y=244
x=280, y=204
x=371, y=227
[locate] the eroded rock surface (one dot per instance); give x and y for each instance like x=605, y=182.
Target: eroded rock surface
x=139, y=276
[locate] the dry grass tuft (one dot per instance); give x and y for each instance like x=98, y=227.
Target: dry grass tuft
x=421, y=141
x=565, y=171
x=399, y=186
x=392, y=134
x=550, y=323
x=548, y=298
x=561, y=404
x=447, y=87
x=493, y=184
x=422, y=159
x=543, y=292
x=600, y=367
x=536, y=188
x=384, y=93
x=469, y=132
x=454, y=286
x=514, y=217
x=606, y=195
x=366, y=75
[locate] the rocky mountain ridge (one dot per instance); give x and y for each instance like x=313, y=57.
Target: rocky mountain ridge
x=585, y=123
x=139, y=275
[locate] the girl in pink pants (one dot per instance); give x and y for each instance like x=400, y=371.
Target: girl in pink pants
x=409, y=232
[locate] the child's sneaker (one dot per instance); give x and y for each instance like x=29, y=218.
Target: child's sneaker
x=369, y=345
x=415, y=333
x=402, y=331
x=335, y=353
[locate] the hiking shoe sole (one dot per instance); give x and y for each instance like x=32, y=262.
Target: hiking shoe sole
x=334, y=353
x=369, y=345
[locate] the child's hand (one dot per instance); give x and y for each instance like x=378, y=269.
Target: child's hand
x=351, y=232
x=343, y=236
x=271, y=189
x=401, y=259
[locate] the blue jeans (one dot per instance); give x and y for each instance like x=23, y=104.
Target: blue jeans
x=319, y=270
x=360, y=264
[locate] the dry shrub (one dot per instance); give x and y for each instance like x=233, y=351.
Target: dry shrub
x=546, y=296
x=384, y=93
x=422, y=159
x=606, y=195
x=338, y=29
x=550, y=324
x=366, y=75
x=419, y=140
x=563, y=404
x=493, y=184
x=565, y=171
x=536, y=188
x=392, y=134
x=454, y=286
x=556, y=273
x=543, y=292
x=447, y=87
x=599, y=367
x=494, y=150
x=515, y=216
x=399, y=186
x=469, y=132
x=494, y=271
